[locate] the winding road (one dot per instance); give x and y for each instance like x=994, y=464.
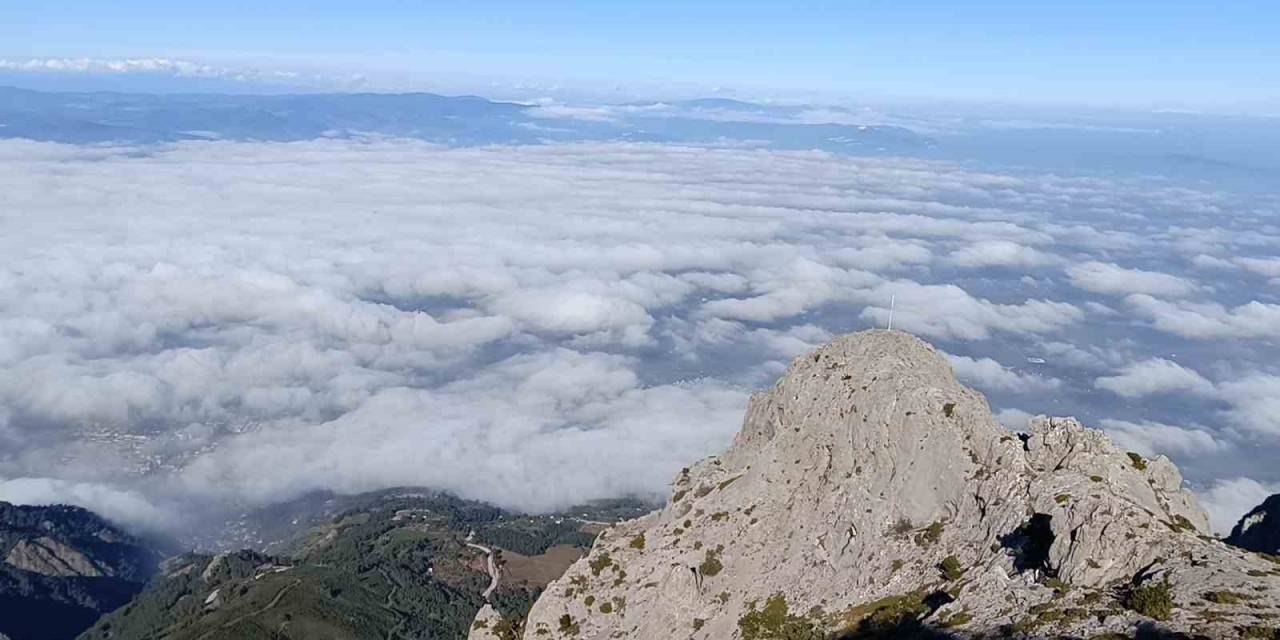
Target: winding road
x=493, y=565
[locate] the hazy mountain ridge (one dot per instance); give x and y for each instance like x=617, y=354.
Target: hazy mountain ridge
x=395, y=563
x=139, y=118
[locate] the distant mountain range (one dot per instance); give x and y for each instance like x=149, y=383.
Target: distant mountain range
x=138, y=118
x=62, y=567
x=402, y=562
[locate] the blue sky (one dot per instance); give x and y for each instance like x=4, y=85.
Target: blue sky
x=1130, y=53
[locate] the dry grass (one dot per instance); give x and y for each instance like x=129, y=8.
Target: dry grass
x=540, y=569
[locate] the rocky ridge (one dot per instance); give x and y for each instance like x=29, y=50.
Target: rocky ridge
x=62, y=567
x=869, y=494
x=1259, y=530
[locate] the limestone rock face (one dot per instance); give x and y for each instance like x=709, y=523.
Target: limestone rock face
x=870, y=493
x=49, y=557
x=489, y=625
x=1259, y=530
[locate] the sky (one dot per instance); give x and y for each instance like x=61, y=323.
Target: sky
x=1172, y=54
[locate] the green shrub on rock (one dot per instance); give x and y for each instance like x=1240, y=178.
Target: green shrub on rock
x=951, y=569
x=1152, y=600
x=775, y=622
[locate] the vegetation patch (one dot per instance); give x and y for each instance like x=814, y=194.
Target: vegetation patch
x=1152, y=600
x=568, y=627
x=1181, y=523
x=600, y=563
x=885, y=615
x=960, y=619
x=902, y=528
x=931, y=534
x=1062, y=498
x=506, y=630
x=1060, y=587
x=1227, y=597
x=1095, y=478
x=1137, y=461
x=726, y=483
x=711, y=565
x=1048, y=615
x=1260, y=633
x=775, y=622
x=637, y=542
x=951, y=569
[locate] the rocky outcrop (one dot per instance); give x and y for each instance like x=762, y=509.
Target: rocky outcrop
x=489, y=625
x=47, y=556
x=869, y=494
x=1259, y=530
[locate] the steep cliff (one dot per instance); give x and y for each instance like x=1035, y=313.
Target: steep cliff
x=1259, y=530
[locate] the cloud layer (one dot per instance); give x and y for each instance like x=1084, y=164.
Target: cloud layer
x=234, y=323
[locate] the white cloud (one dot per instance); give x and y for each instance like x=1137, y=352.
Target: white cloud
x=1229, y=499
x=517, y=434
x=170, y=67
x=1255, y=403
x=1108, y=278
x=1014, y=419
x=571, y=312
x=1155, y=376
x=244, y=321
x=1000, y=253
x=1267, y=267
x=1152, y=438
x=987, y=374
x=1209, y=320
x=128, y=507
x=949, y=312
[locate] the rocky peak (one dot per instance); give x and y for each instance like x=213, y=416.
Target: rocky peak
x=868, y=491
x=1259, y=530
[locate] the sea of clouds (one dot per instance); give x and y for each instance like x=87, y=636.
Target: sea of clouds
x=215, y=325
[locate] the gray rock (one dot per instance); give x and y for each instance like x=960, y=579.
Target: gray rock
x=869, y=490
x=487, y=625
x=49, y=557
